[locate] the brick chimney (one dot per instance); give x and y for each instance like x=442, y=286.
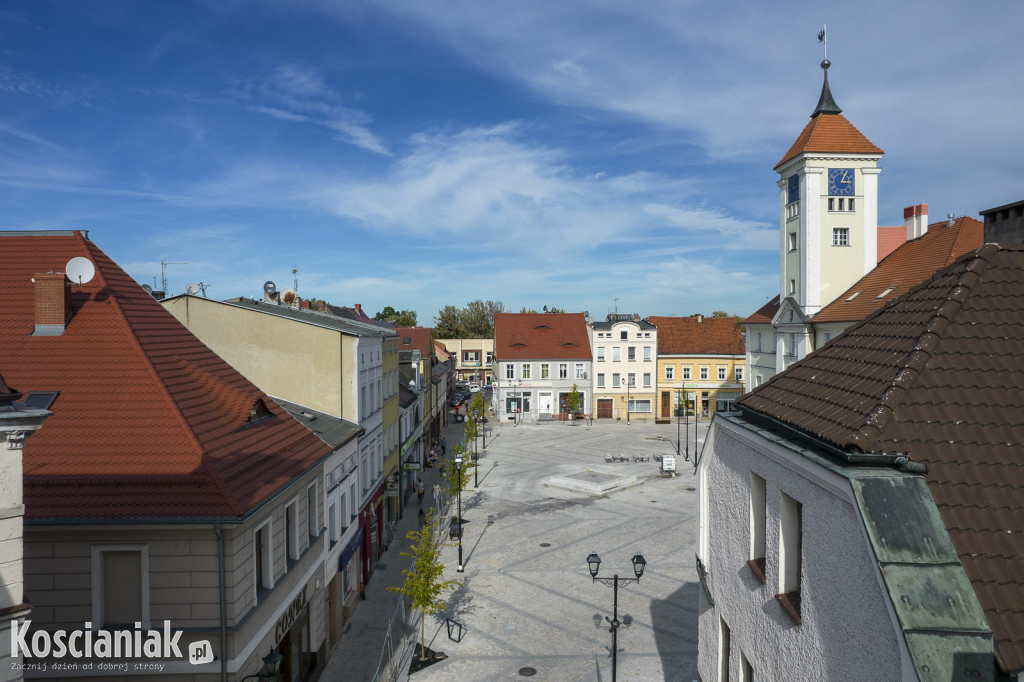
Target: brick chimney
x=304, y=304
x=321, y=306
x=359, y=308
x=916, y=218
x=53, y=303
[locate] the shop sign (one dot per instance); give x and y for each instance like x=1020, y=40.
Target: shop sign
x=287, y=619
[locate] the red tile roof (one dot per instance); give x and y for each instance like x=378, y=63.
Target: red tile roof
x=907, y=266
x=419, y=339
x=698, y=336
x=765, y=313
x=539, y=336
x=830, y=134
x=149, y=421
x=889, y=239
x=937, y=374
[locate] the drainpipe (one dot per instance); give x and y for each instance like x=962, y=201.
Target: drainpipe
x=223, y=605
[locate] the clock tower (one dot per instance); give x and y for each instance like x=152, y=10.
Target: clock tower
x=828, y=212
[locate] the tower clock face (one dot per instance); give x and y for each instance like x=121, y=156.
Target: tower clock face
x=841, y=182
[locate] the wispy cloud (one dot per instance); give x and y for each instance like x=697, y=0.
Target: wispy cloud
x=299, y=93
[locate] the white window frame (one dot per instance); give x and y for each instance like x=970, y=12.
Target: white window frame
x=792, y=241
x=790, y=544
x=670, y=372
x=291, y=529
x=600, y=380
x=266, y=561
x=616, y=353
x=97, y=592
x=686, y=373
x=840, y=236
x=600, y=353
x=563, y=370
x=313, y=519
x=723, y=373
x=631, y=353
x=545, y=370
x=647, y=353
x=580, y=369
x=510, y=370
x=640, y=405
x=705, y=372
x=647, y=379
x=739, y=375
x=525, y=369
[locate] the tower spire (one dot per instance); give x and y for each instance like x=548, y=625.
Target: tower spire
x=826, y=105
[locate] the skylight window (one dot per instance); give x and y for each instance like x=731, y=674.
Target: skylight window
x=41, y=400
x=855, y=295
x=886, y=292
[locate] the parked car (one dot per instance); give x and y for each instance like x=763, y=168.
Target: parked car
x=474, y=388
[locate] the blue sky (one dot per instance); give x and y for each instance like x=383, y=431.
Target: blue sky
x=418, y=154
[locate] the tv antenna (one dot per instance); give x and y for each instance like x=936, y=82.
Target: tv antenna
x=295, y=279
x=202, y=288
x=616, y=305
x=163, y=271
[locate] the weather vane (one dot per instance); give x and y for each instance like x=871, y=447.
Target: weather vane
x=824, y=41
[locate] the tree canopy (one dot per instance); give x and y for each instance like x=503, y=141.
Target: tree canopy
x=474, y=321
x=400, y=318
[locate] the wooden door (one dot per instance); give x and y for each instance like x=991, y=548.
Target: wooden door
x=604, y=408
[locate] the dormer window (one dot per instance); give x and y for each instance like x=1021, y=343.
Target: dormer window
x=257, y=412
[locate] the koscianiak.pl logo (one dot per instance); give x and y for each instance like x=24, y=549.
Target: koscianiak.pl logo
x=89, y=648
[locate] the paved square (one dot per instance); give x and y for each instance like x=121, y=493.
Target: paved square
x=526, y=597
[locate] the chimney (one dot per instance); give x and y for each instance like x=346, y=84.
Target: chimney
x=321, y=306
x=359, y=309
x=304, y=304
x=700, y=318
x=53, y=303
x=916, y=218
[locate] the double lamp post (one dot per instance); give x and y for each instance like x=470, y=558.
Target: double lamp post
x=639, y=563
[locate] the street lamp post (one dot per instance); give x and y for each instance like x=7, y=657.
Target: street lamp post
x=686, y=414
x=271, y=666
x=594, y=562
x=678, y=420
x=458, y=467
x=628, y=383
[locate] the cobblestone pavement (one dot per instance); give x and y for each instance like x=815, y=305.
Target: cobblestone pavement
x=526, y=598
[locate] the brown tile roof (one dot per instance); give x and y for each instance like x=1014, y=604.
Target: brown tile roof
x=419, y=339
x=938, y=374
x=830, y=134
x=889, y=239
x=688, y=336
x=907, y=266
x=149, y=421
x=540, y=336
x=765, y=313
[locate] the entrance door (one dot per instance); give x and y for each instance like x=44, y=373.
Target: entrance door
x=544, y=403
x=666, y=404
x=604, y=408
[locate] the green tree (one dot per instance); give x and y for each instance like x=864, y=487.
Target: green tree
x=446, y=323
x=457, y=477
x=425, y=582
x=574, y=401
x=400, y=318
x=525, y=311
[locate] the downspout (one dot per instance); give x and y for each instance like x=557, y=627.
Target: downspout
x=223, y=605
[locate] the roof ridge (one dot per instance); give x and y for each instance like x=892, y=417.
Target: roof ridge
x=879, y=417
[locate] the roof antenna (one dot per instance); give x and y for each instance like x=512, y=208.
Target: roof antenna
x=295, y=279
x=616, y=305
x=163, y=272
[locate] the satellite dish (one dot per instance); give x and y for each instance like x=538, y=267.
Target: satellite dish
x=269, y=288
x=148, y=289
x=191, y=288
x=80, y=270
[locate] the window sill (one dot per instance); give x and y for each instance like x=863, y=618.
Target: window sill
x=791, y=604
x=757, y=568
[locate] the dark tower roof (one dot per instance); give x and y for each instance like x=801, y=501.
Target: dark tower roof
x=826, y=105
